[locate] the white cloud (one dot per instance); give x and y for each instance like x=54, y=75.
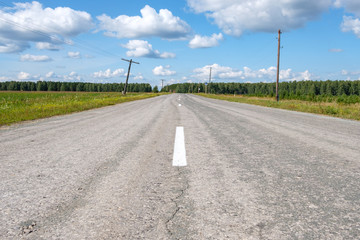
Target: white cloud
x=47, y=46
x=351, y=24
x=9, y=46
x=53, y=75
x=163, y=71
x=141, y=48
x=283, y=74
x=163, y=24
x=24, y=76
x=172, y=81
x=35, y=58
x=72, y=76
x=304, y=76
x=351, y=6
x=50, y=74
x=351, y=75
x=205, y=41
x=139, y=77
x=108, y=73
x=217, y=71
x=74, y=55
x=264, y=74
x=167, y=55
x=236, y=16
x=30, y=22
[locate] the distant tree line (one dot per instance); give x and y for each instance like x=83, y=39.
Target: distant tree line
x=73, y=86
x=302, y=90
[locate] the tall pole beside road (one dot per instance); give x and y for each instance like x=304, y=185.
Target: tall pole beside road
x=210, y=79
x=128, y=74
x=278, y=68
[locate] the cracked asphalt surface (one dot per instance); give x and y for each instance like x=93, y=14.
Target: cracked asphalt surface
x=253, y=173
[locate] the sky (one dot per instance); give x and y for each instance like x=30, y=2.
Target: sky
x=179, y=41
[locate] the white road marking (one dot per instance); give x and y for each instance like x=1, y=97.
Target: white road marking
x=179, y=104
x=179, y=157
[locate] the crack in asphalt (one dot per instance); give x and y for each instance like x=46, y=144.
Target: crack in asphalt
x=176, y=201
x=63, y=210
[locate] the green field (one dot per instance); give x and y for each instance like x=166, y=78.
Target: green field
x=21, y=106
x=333, y=108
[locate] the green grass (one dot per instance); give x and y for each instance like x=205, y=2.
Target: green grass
x=334, y=108
x=21, y=106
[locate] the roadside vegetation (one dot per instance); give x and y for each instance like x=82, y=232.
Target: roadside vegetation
x=335, y=108
x=333, y=98
x=21, y=106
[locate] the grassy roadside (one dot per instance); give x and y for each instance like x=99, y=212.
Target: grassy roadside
x=21, y=106
x=334, y=109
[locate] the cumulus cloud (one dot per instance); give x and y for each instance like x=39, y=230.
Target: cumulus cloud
x=35, y=58
x=351, y=24
x=139, y=77
x=236, y=16
x=141, y=48
x=217, y=71
x=9, y=46
x=264, y=74
x=205, y=41
x=351, y=6
x=163, y=24
x=351, y=75
x=50, y=74
x=108, y=73
x=74, y=55
x=72, y=76
x=24, y=76
x=163, y=71
x=47, y=46
x=30, y=22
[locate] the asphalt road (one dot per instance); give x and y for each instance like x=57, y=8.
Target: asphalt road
x=252, y=173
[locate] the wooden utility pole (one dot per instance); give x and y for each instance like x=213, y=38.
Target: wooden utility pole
x=162, y=83
x=278, y=69
x=210, y=79
x=128, y=74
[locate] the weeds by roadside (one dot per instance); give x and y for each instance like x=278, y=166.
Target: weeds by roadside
x=22, y=106
x=335, y=108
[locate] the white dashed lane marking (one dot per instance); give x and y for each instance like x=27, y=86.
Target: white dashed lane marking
x=179, y=157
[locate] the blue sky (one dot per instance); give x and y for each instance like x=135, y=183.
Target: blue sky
x=179, y=41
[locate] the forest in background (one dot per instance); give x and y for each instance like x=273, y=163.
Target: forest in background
x=318, y=91
x=73, y=86
x=341, y=91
